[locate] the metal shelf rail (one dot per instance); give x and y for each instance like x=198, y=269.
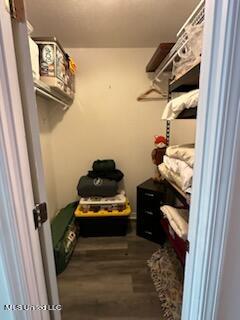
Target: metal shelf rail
x=195, y=18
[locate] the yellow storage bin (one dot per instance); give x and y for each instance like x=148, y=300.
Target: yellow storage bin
x=103, y=213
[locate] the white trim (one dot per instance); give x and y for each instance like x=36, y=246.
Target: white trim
x=20, y=246
x=229, y=287
x=215, y=175
x=34, y=150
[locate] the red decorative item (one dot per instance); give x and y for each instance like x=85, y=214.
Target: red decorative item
x=160, y=141
x=159, y=151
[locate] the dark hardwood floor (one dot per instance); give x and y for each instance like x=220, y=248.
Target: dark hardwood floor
x=108, y=279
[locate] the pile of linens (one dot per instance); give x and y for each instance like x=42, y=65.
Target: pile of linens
x=177, y=166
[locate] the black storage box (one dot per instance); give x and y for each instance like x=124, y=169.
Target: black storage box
x=103, y=226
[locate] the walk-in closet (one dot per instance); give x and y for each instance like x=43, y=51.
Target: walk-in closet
x=111, y=117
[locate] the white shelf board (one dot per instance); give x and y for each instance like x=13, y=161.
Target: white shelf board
x=58, y=96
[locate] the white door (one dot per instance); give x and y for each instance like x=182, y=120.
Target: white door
x=20, y=252
x=29, y=109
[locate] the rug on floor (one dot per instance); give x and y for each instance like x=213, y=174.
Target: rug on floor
x=167, y=275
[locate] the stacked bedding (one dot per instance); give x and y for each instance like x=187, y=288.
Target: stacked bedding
x=176, y=106
x=177, y=166
x=178, y=220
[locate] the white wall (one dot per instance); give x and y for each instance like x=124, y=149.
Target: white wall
x=182, y=131
x=105, y=121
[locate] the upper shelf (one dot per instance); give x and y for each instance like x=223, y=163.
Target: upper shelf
x=181, y=195
x=188, y=114
x=158, y=56
x=196, y=18
x=56, y=95
x=187, y=82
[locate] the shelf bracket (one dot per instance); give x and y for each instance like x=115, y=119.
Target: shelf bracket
x=48, y=95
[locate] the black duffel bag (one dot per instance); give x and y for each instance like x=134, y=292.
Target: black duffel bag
x=104, y=165
x=116, y=175
x=90, y=187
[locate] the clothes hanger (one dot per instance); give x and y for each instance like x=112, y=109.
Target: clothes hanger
x=144, y=96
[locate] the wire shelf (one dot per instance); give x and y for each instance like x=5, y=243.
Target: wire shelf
x=197, y=17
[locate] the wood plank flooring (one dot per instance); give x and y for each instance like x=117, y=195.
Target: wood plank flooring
x=108, y=279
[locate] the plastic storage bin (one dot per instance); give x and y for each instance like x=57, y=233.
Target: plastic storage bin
x=119, y=202
x=55, y=66
x=103, y=222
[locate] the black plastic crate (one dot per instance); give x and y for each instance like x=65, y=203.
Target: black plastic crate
x=103, y=226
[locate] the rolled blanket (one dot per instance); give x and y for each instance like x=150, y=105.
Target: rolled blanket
x=178, y=219
x=104, y=165
x=89, y=187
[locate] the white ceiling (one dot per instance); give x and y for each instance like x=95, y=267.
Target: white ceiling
x=109, y=23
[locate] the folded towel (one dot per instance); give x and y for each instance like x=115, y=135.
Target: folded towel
x=178, y=219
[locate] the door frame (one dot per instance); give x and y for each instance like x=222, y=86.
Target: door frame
x=216, y=169
x=20, y=254
x=32, y=131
